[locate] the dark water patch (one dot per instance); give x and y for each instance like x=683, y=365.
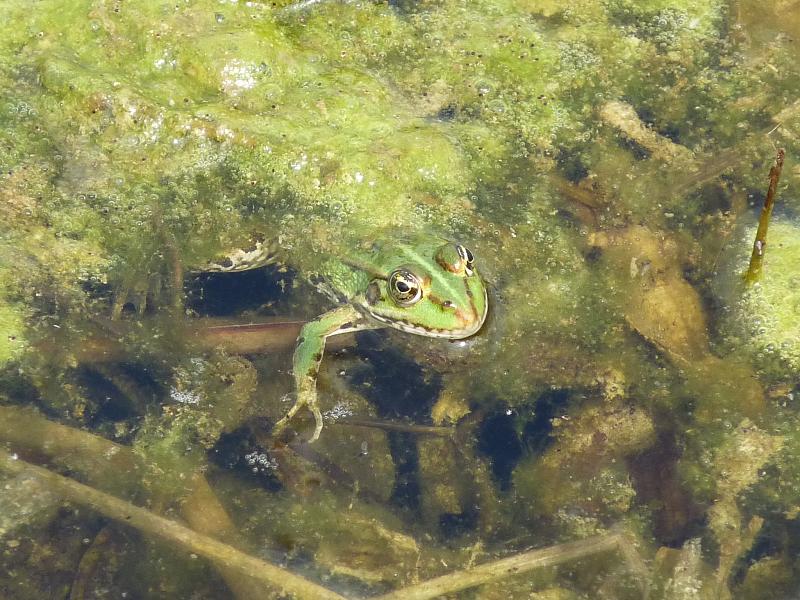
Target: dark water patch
x=778, y=538
x=772, y=540
x=98, y=290
x=16, y=387
x=455, y=525
x=568, y=218
x=713, y=198
x=116, y=393
x=593, y=255
x=671, y=131
x=537, y=432
x=404, y=6
x=505, y=436
x=572, y=166
x=497, y=439
x=238, y=451
x=119, y=393
x=447, y=113
x=677, y=517
x=225, y=294
x=406, y=492
x=400, y=389
x=397, y=386
x=639, y=152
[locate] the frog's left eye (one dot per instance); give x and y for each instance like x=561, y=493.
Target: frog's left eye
x=456, y=258
x=467, y=257
x=405, y=288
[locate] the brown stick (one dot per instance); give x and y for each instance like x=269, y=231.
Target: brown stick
x=394, y=426
x=108, y=343
x=203, y=545
x=246, y=338
x=506, y=567
x=98, y=460
x=759, y=246
x=106, y=464
x=89, y=563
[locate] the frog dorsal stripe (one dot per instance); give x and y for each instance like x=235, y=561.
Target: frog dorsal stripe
x=434, y=273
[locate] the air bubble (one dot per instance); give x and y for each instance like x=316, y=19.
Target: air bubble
x=483, y=88
x=497, y=106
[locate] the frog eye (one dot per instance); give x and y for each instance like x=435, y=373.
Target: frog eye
x=455, y=258
x=467, y=257
x=405, y=288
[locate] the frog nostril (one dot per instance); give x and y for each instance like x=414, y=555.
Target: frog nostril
x=447, y=304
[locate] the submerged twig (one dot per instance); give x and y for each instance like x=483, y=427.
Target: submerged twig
x=387, y=425
x=88, y=564
x=759, y=246
x=506, y=567
x=109, y=465
x=152, y=524
x=108, y=342
x=623, y=117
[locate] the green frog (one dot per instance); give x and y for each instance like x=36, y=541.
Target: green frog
x=427, y=287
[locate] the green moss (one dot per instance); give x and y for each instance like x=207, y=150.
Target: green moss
x=767, y=578
x=764, y=319
x=364, y=118
x=12, y=326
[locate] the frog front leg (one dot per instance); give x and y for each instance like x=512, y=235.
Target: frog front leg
x=307, y=356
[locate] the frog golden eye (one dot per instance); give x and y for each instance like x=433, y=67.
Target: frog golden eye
x=467, y=257
x=405, y=288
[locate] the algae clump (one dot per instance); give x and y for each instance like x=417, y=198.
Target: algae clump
x=763, y=319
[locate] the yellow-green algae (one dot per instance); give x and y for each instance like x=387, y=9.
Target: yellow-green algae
x=763, y=319
x=195, y=124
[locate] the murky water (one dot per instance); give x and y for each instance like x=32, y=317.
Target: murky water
x=624, y=425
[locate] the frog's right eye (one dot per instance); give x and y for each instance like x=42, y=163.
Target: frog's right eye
x=405, y=288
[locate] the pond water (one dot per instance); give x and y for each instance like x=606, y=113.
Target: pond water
x=184, y=185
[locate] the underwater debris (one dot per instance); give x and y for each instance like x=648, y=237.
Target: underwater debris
x=148, y=522
x=624, y=117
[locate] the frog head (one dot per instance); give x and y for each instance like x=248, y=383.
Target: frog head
x=430, y=289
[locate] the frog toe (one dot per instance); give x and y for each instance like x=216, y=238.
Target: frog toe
x=303, y=400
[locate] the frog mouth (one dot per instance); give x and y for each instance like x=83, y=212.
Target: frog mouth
x=471, y=327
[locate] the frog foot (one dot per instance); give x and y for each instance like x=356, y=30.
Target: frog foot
x=134, y=297
x=147, y=293
x=304, y=398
